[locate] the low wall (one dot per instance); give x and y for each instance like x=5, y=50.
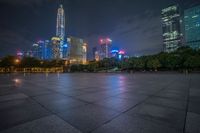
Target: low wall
x=32, y=70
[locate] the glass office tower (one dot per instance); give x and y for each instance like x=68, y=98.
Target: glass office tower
x=192, y=27
x=171, y=25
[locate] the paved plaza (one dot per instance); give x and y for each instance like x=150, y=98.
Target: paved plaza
x=100, y=103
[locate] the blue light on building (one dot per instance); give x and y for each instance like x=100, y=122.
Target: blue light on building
x=120, y=57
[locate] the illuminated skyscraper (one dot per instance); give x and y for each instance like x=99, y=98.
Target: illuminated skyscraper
x=56, y=48
x=105, y=46
x=171, y=24
x=77, y=50
x=60, y=28
x=192, y=27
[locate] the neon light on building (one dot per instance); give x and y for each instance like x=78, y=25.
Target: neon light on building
x=121, y=52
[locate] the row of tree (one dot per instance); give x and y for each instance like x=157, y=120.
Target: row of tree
x=184, y=58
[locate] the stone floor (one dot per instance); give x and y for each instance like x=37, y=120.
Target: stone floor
x=100, y=103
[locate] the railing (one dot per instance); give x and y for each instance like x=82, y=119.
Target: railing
x=32, y=70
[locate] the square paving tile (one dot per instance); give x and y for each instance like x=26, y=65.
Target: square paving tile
x=58, y=103
x=89, y=117
x=49, y=124
x=118, y=104
x=168, y=116
x=192, y=123
x=167, y=102
x=12, y=97
x=19, y=111
x=92, y=97
x=194, y=107
x=128, y=124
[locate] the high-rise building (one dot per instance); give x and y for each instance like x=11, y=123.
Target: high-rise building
x=55, y=48
x=77, y=50
x=105, y=46
x=115, y=53
x=192, y=27
x=42, y=50
x=48, y=50
x=60, y=28
x=94, y=50
x=171, y=25
x=37, y=51
x=97, y=57
x=118, y=54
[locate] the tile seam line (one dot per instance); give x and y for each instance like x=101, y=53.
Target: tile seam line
x=56, y=114
x=163, y=88
x=187, y=106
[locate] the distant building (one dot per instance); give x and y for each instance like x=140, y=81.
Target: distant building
x=55, y=42
x=171, y=25
x=65, y=49
x=105, y=47
x=121, y=54
x=28, y=53
x=118, y=54
x=42, y=50
x=94, y=50
x=48, y=50
x=192, y=27
x=37, y=51
x=20, y=54
x=60, y=28
x=77, y=50
x=97, y=56
x=115, y=53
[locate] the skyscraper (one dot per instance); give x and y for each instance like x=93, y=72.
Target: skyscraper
x=171, y=25
x=37, y=50
x=55, y=48
x=192, y=27
x=105, y=46
x=94, y=50
x=77, y=50
x=60, y=28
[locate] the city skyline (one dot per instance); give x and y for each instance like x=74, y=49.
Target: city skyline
x=148, y=40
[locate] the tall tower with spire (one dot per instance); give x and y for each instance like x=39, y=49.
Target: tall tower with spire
x=60, y=28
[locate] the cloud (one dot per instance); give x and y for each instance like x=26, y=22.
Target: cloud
x=140, y=34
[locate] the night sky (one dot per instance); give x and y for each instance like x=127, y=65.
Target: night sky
x=133, y=25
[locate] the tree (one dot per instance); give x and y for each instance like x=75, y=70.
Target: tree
x=153, y=64
x=192, y=62
x=30, y=62
x=8, y=61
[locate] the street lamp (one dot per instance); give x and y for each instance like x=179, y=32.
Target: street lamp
x=17, y=61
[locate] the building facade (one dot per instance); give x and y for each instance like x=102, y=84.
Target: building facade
x=37, y=51
x=55, y=42
x=171, y=26
x=105, y=47
x=94, y=50
x=192, y=27
x=77, y=50
x=48, y=50
x=42, y=50
x=60, y=28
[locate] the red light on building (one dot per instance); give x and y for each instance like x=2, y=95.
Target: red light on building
x=121, y=52
x=105, y=41
x=101, y=41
